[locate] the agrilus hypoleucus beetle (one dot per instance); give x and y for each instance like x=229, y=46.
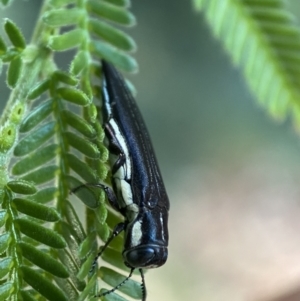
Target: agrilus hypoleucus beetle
x=138, y=191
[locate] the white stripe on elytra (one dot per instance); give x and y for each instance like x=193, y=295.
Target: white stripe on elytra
x=161, y=220
x=125, y=190
x=126, y=172
x=123, y=174
x=106, y=98
x=136, y=234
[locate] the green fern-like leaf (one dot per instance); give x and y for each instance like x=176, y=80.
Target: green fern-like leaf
x=264, y=41
x=51, y=141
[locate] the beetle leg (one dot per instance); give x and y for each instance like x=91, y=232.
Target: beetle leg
x=111, y=196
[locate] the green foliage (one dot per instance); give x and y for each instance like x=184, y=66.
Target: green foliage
x=263, y=40
x=14, y=71
x=51, y=141
x=14, y=34
x=6, y=2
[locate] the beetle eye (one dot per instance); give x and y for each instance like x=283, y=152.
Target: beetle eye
x=146, y=256
x=139, y=257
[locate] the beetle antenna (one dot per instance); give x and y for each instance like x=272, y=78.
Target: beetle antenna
x=117, y=230
x=117, y=286
x=143, y=285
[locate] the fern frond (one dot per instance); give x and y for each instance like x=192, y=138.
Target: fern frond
x=51, y=141
x=262, y=39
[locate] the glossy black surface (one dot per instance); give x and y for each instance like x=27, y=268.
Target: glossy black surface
x=148, y=189
x=147, y=184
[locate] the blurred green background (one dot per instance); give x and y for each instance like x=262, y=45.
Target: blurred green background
x=231, y=172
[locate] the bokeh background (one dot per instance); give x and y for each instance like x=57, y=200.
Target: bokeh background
x=231, y=172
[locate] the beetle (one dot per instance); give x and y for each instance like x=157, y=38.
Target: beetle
x=138, y=191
